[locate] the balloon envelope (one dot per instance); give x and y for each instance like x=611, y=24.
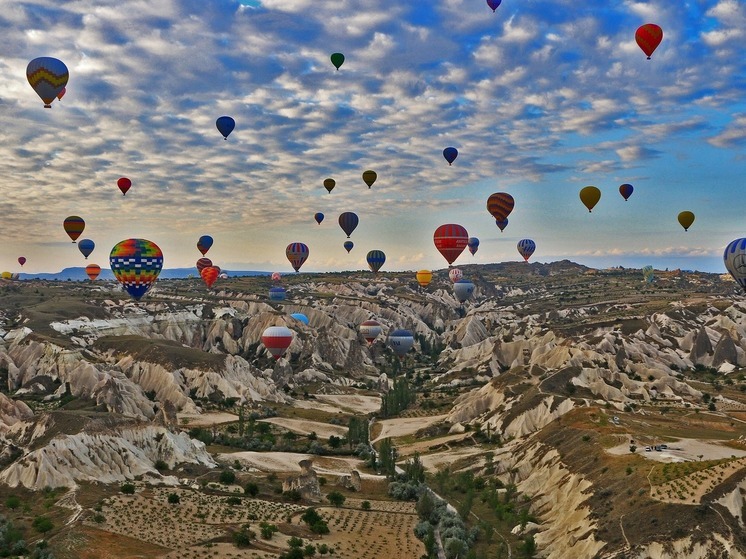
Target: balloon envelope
x=450, y=240
x=74, y=226
x=277, y=293
x=277, y=339
x=276, y=276
x=348, y=245
x=369, y=177
x=86, y=247
x=300, y=317
x=93, y=270
x=500, y=204
x=648, y=274
x=48, y=76
x=473, y=244
x=686, y=219
x=648, y=37
x=626, y=190
x=375, y=259
x=526, y=248
x=124, y=185
x=203, y=263
x=329, y=184
x=590, y=195
x=204, y=243
x=337, y=59
x=401, y=341
x=424, y=277
x=454, y=274
x=136, y=264
x=348, y=222
x=734, y=257
x=450, y=154
x=463, y=289
x=209, y=275
x=319, y=217
x=225, y=125
x=501, y=223
x=297, y=254
x=21, y=260
x=493, y=4
x=370, y=329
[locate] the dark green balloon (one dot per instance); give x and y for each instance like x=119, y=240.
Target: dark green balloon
x=338, y=59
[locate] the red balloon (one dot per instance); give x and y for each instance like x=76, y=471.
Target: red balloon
x=124, y=185
x=276, y=276
x=648, y=37
x=450, y=240
x=210, y=275
x=21, y=260
x=277, y=339
x=93, y=270
x=203, y=263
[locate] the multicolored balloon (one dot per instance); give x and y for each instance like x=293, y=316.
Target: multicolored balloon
x=501, y=224
x=124, y=185
x=348, y=246
x=454, y=274
x=494, y=4
x=93, y=271
x=210, y=275
x=225, y=125
x=48, y=76
x=61, y=94
x=277, y=293
x=203, y=263
x=204, y=243
x=626, y=190
x=369, y=177
x=648, y=37
x=370, y=329
x=337, y=59
x=276, y=276
x=526, y=248
x=473, y=245
x=686, y=219
x=297, y=254
x=401, y=341
x=734, y=257
x=277, y=339
x=424, y=277
x=450, y=153
x=648, y=274
x=329, y=184
x=590, y=195
x=136, y=264
x=319, y=217
x=375, y=259
x=463, y=289
x=348, y=222
x=21, y=260
x=450, y=240
x=500, y=204
x=86, y=247
x=73, y=226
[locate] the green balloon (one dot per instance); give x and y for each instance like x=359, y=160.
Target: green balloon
x=338, y=59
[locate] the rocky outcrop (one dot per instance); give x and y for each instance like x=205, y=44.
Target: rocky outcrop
x=306, y=483
x=12, y=411
x=350, y=481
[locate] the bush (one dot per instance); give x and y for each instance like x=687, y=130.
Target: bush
x=293, y=495
x=365, y=505
x=315, y=523
x=336, y=498
x=227, y=477
x=13, y=502
x=267, y=530
x=42, y=524
x=251, y=489
x=161, y=465
x=243, y=537
x=173, y=498
x=99, y=518
x=128, y=488
x=233, y=500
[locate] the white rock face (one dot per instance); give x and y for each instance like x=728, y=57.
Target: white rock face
x=12, y=412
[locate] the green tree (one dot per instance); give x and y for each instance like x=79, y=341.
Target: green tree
x=128, y=488
x=13, y=502
x=173, y=498
x=42, y=524
x=336, y=498
x=251, y=489
x=228, y=477
x=267, y=530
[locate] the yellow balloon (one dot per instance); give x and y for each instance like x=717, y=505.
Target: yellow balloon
x=424, y=277
x=590, y=195
x=6, y=275
x=686, y=219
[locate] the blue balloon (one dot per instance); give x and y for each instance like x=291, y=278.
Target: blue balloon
x=319, y=217
x=348, y=245
x=225, y=125
x=526, y=248
x=348, y=221
x=300, y=316
x=86, y=247
x=277, y=293
x=375, y=259
x=450, y=154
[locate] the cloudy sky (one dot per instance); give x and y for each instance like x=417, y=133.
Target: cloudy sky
x=541, y=98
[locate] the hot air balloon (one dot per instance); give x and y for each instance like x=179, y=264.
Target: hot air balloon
x=225, y=125
x=348, y=221
x=48, y=76
x=299, y=316
x=526, y=248
x=277, y=293
x=61, y=94
x=369, y=177
x=74, y=226
x=319, y=217
x=203, y=263
x=329, y=184
x=124, y=185
x=370, y=329
x=626, y=190
x=424, y=277
x=277, y=339
x=494, y=4
x=297, y=254
x=276, y=276
x=454, y=274
x=21, y=260
x=450, y=240
x=375, y=259
x=501, y=224
x=209, y=275
x=590, y=195
x=93, y=270
x=648, y=274
x=86, y=247
x=473, y=244
x=734, y=257
x=337, y=59
x=204, y=243
x=463, y=289
x=648, y=37
x=136, y=264
x=223, y=275
x=686, y=219
x=6, y=275
x=450, y=154
x=500, y=204
x=401, y=341
x=348, y=245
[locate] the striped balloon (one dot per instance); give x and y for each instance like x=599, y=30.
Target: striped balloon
x=375, y=259
x=734, y=257
x=526, y=248
x=48, y=76
x=203, y=263
x=424, y=277
x=209, y=275
x=74, y=226
x=648, y=37
x=500, y=204
x=450, y=240
x=297, y=254
x=370, y=329
x=277, y=339
x=86, y=247
x=348, y=222
x=93, y=270
x=136, y=264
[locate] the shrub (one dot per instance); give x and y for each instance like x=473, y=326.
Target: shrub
x=128, y=488
x=267, y=530
x=228, y=477
x=336, y=498
x=173, y=498
x=365, y=505
x=251, y=489
x=315, y=523
x=161, y=465
x=243, y=537
x=233, y=500
x=42, y=524
x=13, y=502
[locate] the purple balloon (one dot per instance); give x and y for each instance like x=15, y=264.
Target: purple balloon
x=493, y=4
x=450, y=154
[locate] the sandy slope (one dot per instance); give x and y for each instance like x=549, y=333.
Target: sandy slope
x=306, y=427
x=683, y=450
x=403, y=426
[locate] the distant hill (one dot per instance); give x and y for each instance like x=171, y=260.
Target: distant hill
x=78, y=274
